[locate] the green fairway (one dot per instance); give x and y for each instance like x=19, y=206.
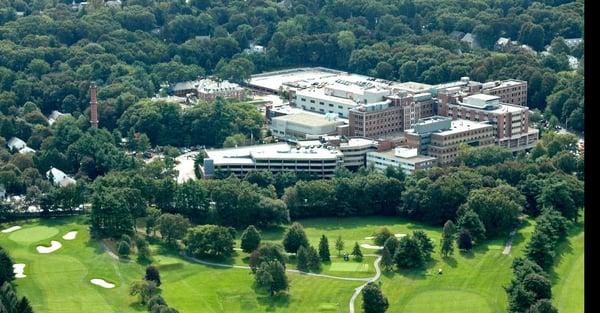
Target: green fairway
x=472, y=282
x=447, y=301
x=33, y=234
x=569, y=274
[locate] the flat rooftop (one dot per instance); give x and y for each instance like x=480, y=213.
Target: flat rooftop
x=413, y=87
x=312, y=120
x=290, y=110
x=276, y=79
x=278, y=151
x=456, y=126
x=358, y=142
x=391, y=154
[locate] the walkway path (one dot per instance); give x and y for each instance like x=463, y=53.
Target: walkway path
x=509, y=242
x=359, y=289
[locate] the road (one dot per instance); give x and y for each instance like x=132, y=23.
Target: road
x=185, y=166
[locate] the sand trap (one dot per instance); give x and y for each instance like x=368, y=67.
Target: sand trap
x=368, y=246
x=19, y=269
x=70, y=235
x=54, y=245
x=11, y=229
x=399, y=235
x=102, y=283
x=370, y=238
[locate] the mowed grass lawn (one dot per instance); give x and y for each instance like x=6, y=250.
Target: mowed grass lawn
x=567, y=277
x=59, y=282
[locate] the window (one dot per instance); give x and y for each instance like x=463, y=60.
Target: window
x=303, y=99
x=312, y=101
x=331, y=105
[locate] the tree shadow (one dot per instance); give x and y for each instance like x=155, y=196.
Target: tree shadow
x=413, y=273
x=138, y=307
x=467, y=254
x=450, y=261
x=272, y=303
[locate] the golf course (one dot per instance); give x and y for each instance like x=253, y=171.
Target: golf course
x=61, y=280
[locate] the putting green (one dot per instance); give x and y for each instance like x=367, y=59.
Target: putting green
x=349, y=267
x=33, y=234
x=447, y=301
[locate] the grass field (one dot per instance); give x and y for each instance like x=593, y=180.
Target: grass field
x=568, y=274
x=59, y=282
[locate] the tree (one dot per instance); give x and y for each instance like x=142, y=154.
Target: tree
x=448, y=233
x=469, y=220
x=250, y=239
x=542, y=306
x=391, y=244
x=210, y=241
x=373, y=299
x=356, y=252
x=152, y=274
x=465, y=240
x=172, y=227
x=314, y=262
x=191, y=200
x=152, y=220
x=124, y=249
x=24, y=306
x=381, y=235
x=386, y=260
x=339, y=244
x=294, y=237
x=302, y=259
x=267, y=252
x=6, y=267
x=155, y=301
x=498, y=208
x=409, y=254
x=540, y=250
x=144, y=289
x=324, y=249
x=533, y=35
x=425, y=243
x=539, y=285
x=143, y=249
x=271, y=275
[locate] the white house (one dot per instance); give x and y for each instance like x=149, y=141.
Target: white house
x=15, y=143
x=58, y=177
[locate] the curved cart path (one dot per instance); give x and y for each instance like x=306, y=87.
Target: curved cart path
x=359, y=289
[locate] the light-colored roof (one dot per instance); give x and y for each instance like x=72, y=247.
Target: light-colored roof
x=308, y=119
x=502, y=41
x=59, y=177
x=279, y=151
x=16, y=143
x=460, y=125
x=391, y=154
x=483, y=97
x=358, y=142
x=26, y=150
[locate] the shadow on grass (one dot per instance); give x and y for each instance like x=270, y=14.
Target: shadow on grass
x=467, y=254
x=277, y=301
x=451, y=261
x=138, y=307
x=413, y=273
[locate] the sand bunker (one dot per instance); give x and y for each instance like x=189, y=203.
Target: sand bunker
x=11, y=229
x=70, y=235
x=368, y=246
x=54, y=245
x=370, y=238
x=399, y=235
x=19, y=269
x=102, y=283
